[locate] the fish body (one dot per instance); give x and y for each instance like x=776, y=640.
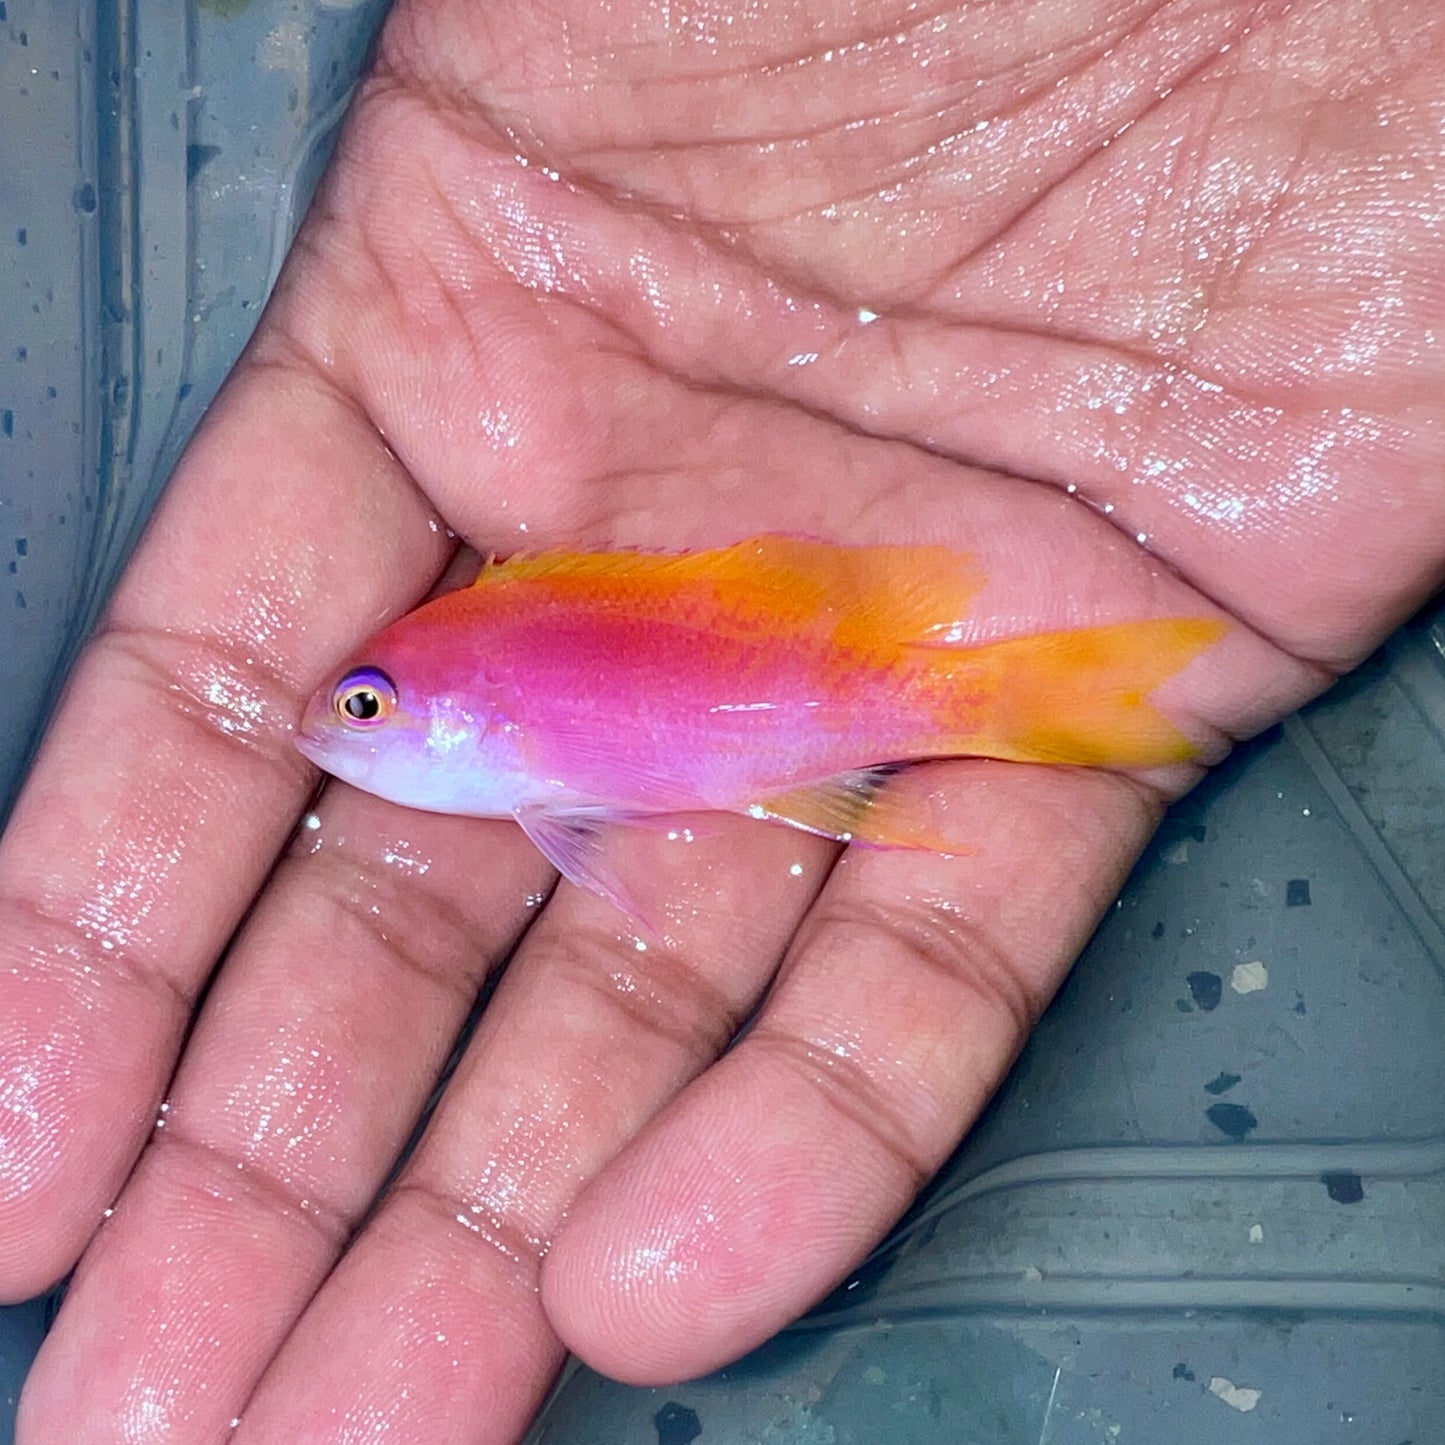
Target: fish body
x=769, y=678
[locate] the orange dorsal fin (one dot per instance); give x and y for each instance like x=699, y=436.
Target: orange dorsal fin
x=869, y=597
x=881, y=597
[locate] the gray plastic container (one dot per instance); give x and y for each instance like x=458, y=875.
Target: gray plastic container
x=1208, y=1206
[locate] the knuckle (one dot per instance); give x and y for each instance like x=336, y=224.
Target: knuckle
x=207, y=1170
x=234, y=698
x=854, y=1096
x=664, y=994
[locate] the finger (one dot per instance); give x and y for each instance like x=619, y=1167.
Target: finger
x=315, y=1053
x=168, y=781
x=904, y=998
x=433, y=1318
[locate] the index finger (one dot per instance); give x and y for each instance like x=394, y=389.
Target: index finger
x=168, y=782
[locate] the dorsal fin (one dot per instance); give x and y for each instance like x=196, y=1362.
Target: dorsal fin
x=870, y=597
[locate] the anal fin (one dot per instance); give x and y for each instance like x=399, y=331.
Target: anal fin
x=857, y=807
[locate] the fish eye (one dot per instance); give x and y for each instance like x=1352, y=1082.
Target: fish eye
x=364, y=698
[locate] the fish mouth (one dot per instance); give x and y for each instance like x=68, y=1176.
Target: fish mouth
x=329, y=753
x=310, y=746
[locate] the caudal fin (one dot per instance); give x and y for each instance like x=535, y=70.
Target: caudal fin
x=1078, y=697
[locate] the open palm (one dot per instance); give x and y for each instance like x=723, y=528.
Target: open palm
x=1137, y=302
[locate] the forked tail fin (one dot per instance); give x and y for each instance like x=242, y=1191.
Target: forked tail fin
x=1079, y=697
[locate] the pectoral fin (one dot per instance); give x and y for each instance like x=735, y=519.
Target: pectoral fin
x=572, y=844
x=856, y=807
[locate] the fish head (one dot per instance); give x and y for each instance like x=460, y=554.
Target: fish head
x=412, y=719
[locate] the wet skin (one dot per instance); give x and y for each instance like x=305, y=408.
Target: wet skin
x=1139, y=303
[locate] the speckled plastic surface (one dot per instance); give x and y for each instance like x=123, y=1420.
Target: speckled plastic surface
x=1208, y=1207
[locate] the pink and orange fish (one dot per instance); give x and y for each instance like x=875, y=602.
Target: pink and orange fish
x=770, y=678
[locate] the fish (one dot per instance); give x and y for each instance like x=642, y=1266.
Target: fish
x=780, y=678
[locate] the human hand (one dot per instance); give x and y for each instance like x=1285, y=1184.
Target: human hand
x=773, y=275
